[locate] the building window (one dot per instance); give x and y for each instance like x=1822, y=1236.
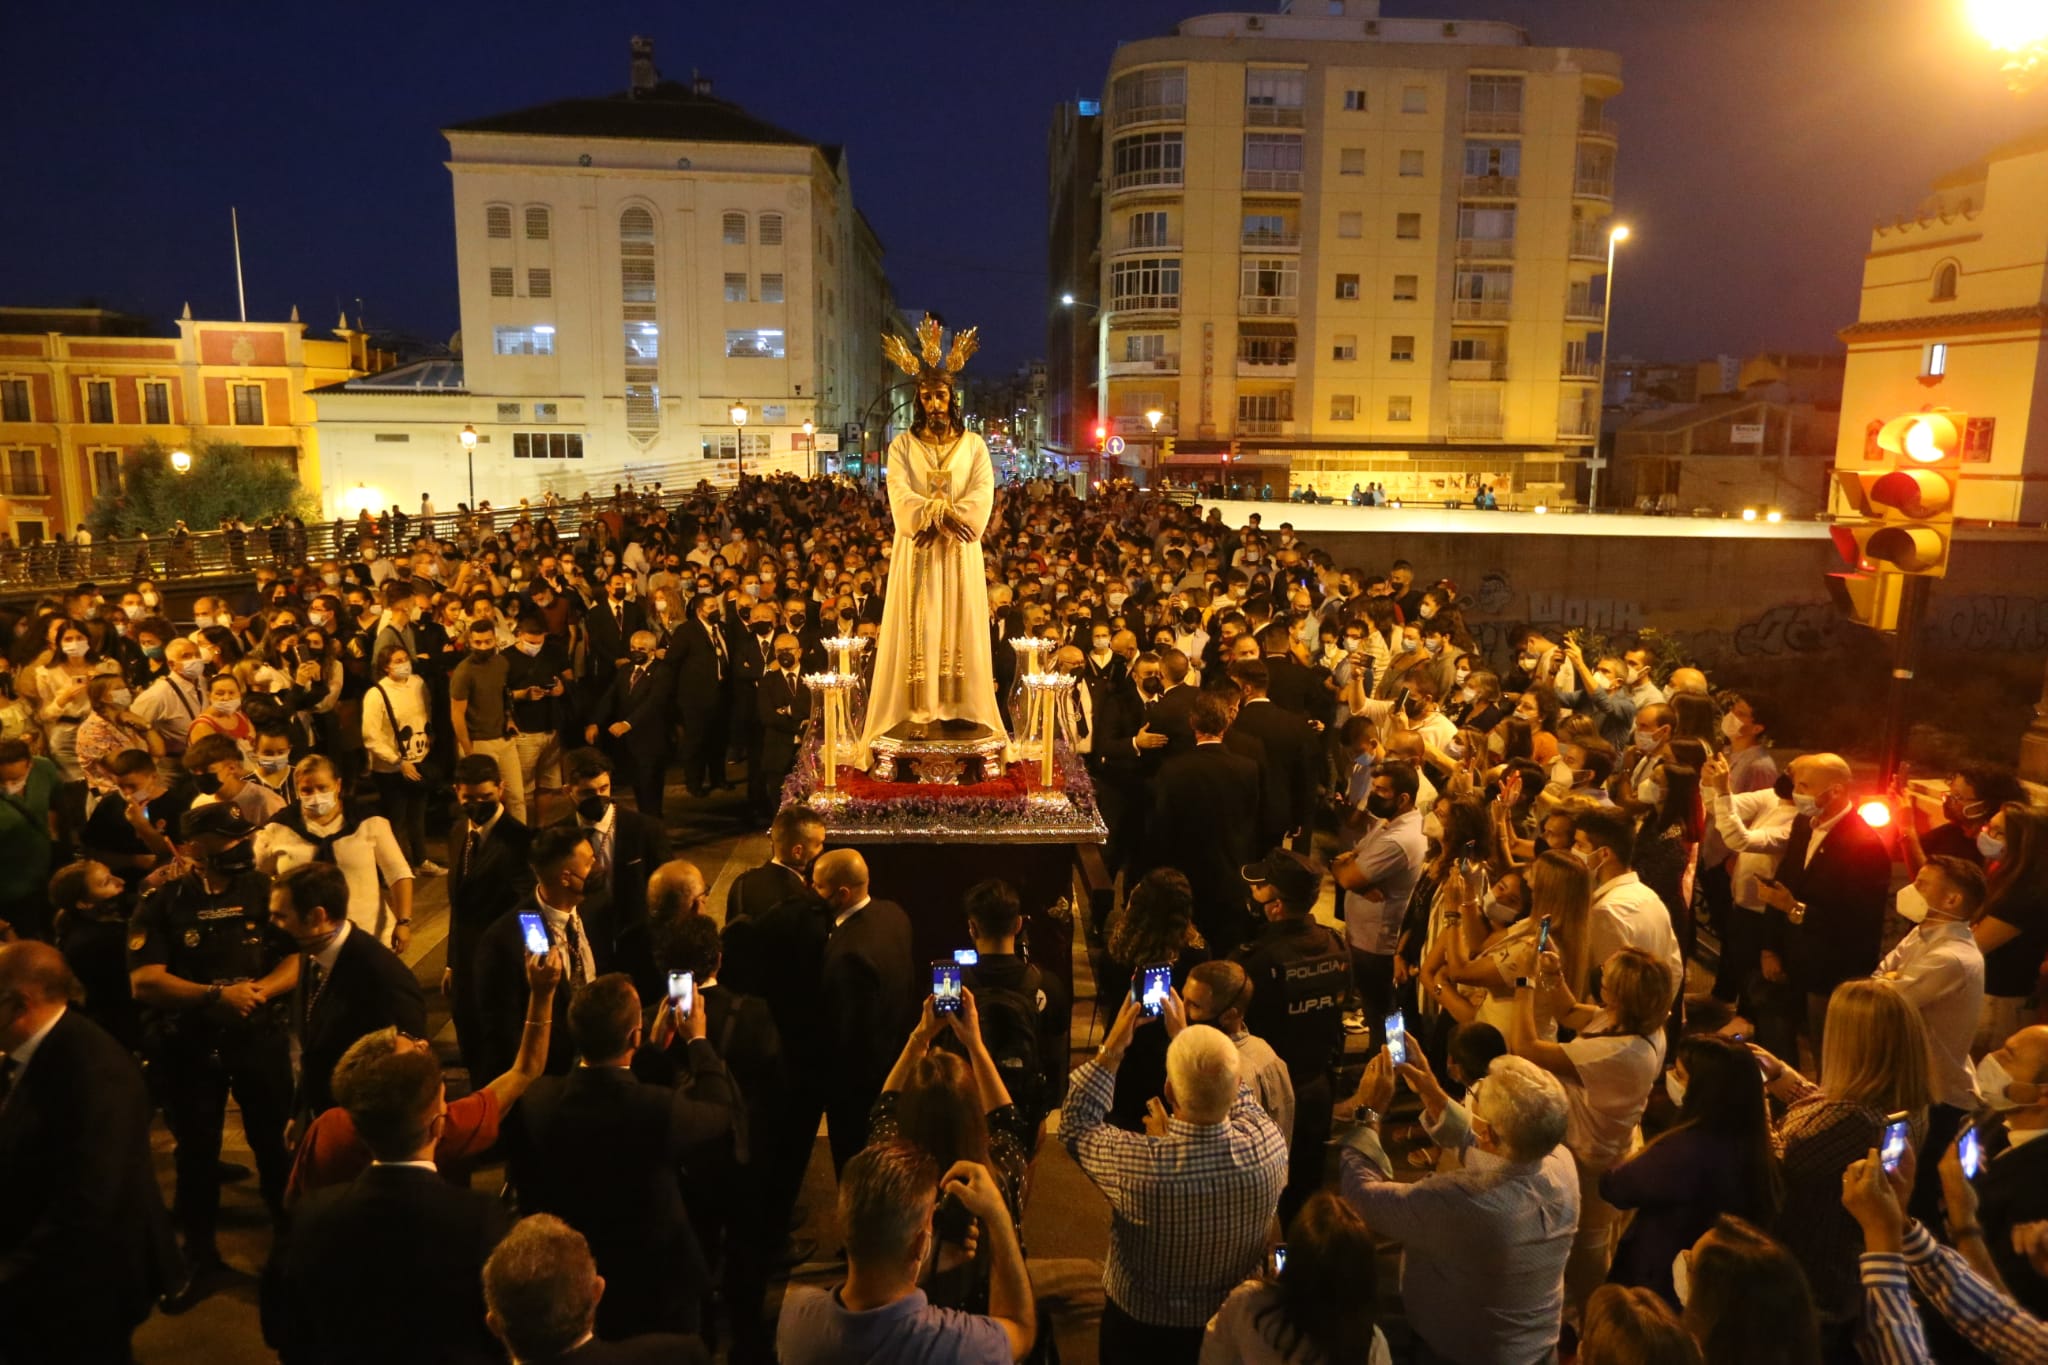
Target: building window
x=1486, y=231
x=501, y=281
x=1977, y=432
x=1493, y=104
x=30, y=530
x=536, y=224
x=771, y=230
x=1343, y=407
x=1146, y=159
x=771, y=288
x=1937, y=360
x=1267, y=229
x=509, y=412
x=1481, y=348
x=640, y=335
x=1158, y=95
x=1400, y=408
x=1145, y=282
x=546, y=412
x=1945, y=282
x=498, y=221
x=1401, y=348
x=1273, y=98
x=1272, y=161
x=1408, y=226
x=1405, y=288
x=14, y=404
x=1145, y=346
x=1350, y=225
x=1147, y=229
x=156, y=404
x=1415, y=99
x=1264, y=412
x=99, y=401
x=248, y=405
x=397, y=438
x=1265, y=343
x=538, y=340
x=24, y=474
x=1411, y=163
x=754, y=343
x=735, y=229
x=1351, y=161
x=1345, y=347
x=723, y=447
x=1498, y=162
x=540, y=283
x=106, y=471
x=1269, y=284
x=1347, y=286
x=547, y=445
x=1354, y=101
x=735, y=288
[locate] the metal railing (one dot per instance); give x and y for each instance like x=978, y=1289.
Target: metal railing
x=1581, y=308
x=1588, y=244
x=1481, y=426
x=1489, y=121
x=1486, y=248
x=1268, y=305
x=1168, y=176
x=1602, y=127
x=1127, y=114
x=1490, y=186
x=1259, y=239
x=1593, y=186
x=1480, y=310
x=1581, y=369
x=1154, y=364
x=1145, y=303
x=1479, y=369
x=1272, y=180
x=1272, y=116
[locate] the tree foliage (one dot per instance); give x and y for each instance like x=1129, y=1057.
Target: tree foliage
x=225, y=480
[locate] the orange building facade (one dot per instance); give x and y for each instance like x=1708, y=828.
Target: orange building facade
x=80, y=387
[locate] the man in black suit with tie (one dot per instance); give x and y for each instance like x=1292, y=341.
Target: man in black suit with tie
x=2013, y=1186
x=389, y=1267
x=697, y=653
x=868, y=988
x=1204, y=822
x=349, y=984
x=631, y=721
x=627, y=846
x=611, y=625
x=85, y=1245
x=795, y=839
x=487, y=875
x=783, y=704
x=753, y=654
x=560, y=860
x=867, y=603
x=1824, y=916
x=1005, y=623
x=1293, y=749
x=603, y=1151
x=541, y=1292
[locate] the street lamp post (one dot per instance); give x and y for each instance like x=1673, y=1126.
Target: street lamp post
x=811, y=444
x=1153, y=416
x=181, y=461
x=469, y=450
x=738, y=413
x=1615, y=236
x=1102, y=316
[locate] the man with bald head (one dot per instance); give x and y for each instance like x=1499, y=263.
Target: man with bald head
x=84, y=1241
x=868, y=992
x=1824, y=913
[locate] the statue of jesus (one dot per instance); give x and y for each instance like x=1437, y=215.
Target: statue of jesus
x=933, y=676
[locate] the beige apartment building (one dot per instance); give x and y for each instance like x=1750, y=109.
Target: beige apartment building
x=1338, y=249
x=1955, y=314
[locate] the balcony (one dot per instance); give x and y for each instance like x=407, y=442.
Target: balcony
x=1490, y=186
x=1593, y=187
x=1169, y=242
x=1581, y=308
x=1479, y=369
x=1603, y=128
x=1480, y=310
x=1261, y=240
x=1150, y=177
x=1249, y=368
x=1589, y=243
x=1267, y=306
x=1158, y=364
x=1486, y=248
x=1151, y=113
x=1477, y=426
x=1265, y=426
x=1574, y=429
x=1145, y=303
x=1286, y=181
x=1272, y=116
x=1579, y=367
x=1493, y=121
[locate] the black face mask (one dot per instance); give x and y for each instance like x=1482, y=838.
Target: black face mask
x=233, y=861
x=591, y=809
x=1152, y=686
x=207, y=782
x=1382, y=807
x=479, y=812
x=638, y=656
x=796, y=622
x=764, y=627
x=785, y=657
x=618, y=594
x=483, y=651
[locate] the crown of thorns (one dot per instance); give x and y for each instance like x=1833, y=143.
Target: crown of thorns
x=931, y=361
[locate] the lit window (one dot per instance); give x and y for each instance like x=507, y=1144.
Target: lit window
x=523, y=340
x=771, y=289
x=754, y=343
x=735, y=229
x=1937, y=359
x=735, y=288
x=1347, y=286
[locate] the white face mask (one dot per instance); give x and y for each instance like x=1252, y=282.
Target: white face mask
x=75, y=649
x=1498, y=912
x=228, y=706
x=1806, y=805
x=1912, y=906
x=1731, y=726
x=1675, y=1088
x=320, y=805
x=1650, y=793
x=133, y=613
x=1995, y=1083
x=401, y=670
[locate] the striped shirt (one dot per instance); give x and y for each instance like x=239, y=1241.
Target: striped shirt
x=1987, y=1319
x=1188, y=1212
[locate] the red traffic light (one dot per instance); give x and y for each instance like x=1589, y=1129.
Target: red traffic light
x=1101, y=432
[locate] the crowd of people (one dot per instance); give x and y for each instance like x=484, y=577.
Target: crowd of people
x=1580, y=901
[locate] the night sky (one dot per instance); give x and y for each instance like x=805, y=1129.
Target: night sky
x=1760, y=140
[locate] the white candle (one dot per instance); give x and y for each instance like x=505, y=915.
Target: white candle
x=831, y=740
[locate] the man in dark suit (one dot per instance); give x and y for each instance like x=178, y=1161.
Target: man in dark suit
x=1824, y=915
x=541, y=1292
x=631, y=721
x=782, y=704
x=753, y=654
x=1293, y=750
x=627, y=845
x=603, y=1151
x=560, y=860
x=868, y=990
x=697, y=654
x=1169, y=715
x=1289, y=682
x=800, y=617
x=85, y=1244
x=389, y=1266
x=487, y=875
x=1206, y=813
x=795, y=839
x=611, y=624
x=867, y=603
x=349, y=984
x=2013, y=1188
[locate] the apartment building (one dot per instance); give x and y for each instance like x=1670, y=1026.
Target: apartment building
x=1338, y=248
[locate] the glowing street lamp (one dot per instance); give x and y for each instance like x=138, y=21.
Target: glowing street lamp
x=468, y=436
x=2018, y=28
x=738, y=413
x=181, y=461
x=1616, y=235
x=811, y=444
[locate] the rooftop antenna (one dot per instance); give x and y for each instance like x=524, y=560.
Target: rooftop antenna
x=241, y=295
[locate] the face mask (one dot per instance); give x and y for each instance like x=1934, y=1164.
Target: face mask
x=75, y=649
x=1498, y=912
x=1646, y=741
x=1101, y=643
x=1462, y=673
x=1527, y=663
x=1427, y=610
x=207, y=782
x=402, y=669
x=1152, y=686
x=1410, y=645
x=229, y=706
x=1731, y=726
x=150, y=599
x=1352, y=642
x=1805, y=804
x=133, y=613
x=233, y=862
x=1675, y=1088
x=273, y=763
x=1650, y=793
x=1599, y=682
x=320, y=805
x=1681, y=1276
x=152, y=651
x=618, y=594
x=786, y=658
x=1468, y=695
x=479, y=812
x=1912, y=905
x=1435, y=644
x=193, y=668
x=1990, y=845
x=1588, y=857
x=591, y=809
x=1382, y=807
x=123, y=698
x=1994, y=1082
x=528, y=649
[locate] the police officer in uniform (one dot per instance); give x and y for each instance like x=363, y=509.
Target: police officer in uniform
x=1301, y=975
x=214, y=978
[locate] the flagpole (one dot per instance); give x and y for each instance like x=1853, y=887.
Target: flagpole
x=241, y=296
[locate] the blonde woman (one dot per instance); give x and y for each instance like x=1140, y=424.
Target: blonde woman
x=111, y=728
x=61, y=686
x=1873, y=1064
x=396, y=732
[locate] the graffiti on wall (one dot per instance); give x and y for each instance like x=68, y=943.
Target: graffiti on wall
x=1789, y=628
x=1988, y=622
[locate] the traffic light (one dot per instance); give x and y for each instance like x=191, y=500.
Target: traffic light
x=1910, y=507
x=1101, y=435
x=1868, y=599
x=1166, y=447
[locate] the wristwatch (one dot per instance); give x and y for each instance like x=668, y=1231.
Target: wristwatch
x=212, y=994
x=1367, y=1115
